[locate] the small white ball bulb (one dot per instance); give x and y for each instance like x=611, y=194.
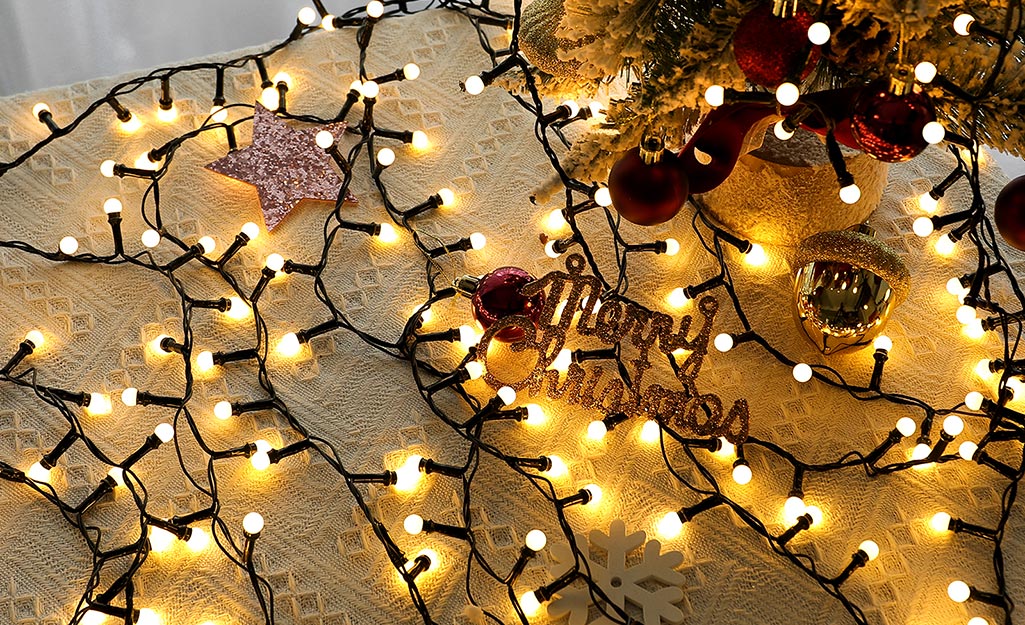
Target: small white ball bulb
x=252, y=523
x=150, y=238
x=474, y=85
x=507, y=394
x=572, y=108
x=478, y=241
x=781, y=131
x=208, y=244
x=963, y=24
x=870, y=549
x=289, y=345
x=670, y=525
x=756, y=256
x=742, y=474
x=474, y=369
x=388, y=234
x=923, y=226
x=953, y=425
x=940, y=522
x=793, y=507
x=558, y=468
x=677, y=298
x=550, y=250
x=928, y=203
x=375, y=9
x=651, y=431
x=112, y=205
x=130, y=396
x=850, y=194
x=925, y=72
x=107, y=168
x=68, y=245
x=535, y=415
x=883, y=342
x=715, y=95
x=38, y=473
x=371, y=89
x=596, y=494
x=933, y=132
x=602, y=197
x=324, y=139
x=165, y=432
x=147, y=617
x=965, y=314
x=411, y=71
x=787, y=94
x=529, y=603
x=977, y=620
x=448, y=198
x=959, y=591
x=954, y=287
x=802, y=372
x=973, y=400
x=40, y=107
x=420, y=140
x=819, y=33
x=260, y=460
x=535, y=540
x=307, y=16
x=413, y=524
x=672, y=247
x=596, y=430
x=920, y=451
x=967, y=450
x=222, y=410
x=328, y=22
x=36, y=338
x=906, y=426
x=723, y=342
x=385, y=157
x=205, y=361
x=251, y=230
x=275, y=262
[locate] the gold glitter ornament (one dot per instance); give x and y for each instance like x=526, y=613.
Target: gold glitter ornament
x=538, y=42
x=846, y=287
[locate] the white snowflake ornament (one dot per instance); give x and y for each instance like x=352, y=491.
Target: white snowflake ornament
x=623, y=579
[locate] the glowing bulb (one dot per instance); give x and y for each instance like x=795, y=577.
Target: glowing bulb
x=953, y=425
x=959, y=591
x=815, y=513
x=669, y=526
x=945, y=246
x=151, y=238
x=411, y=71
x=328, y=23
x=923, y=226
x=199, y=540
x=723, y=342
x=535, y=540
x=285, y=78
x=420, y=140
x=781, y=131
x=208, y=244
x=756, y=256
x=883, y=342
x=40, y=107
x=477, y=241
x=107, y=168
x=726, y=448
x=742, y=474
x=672, y=247
x=535, y=415
x=222, y=410
x=933, y=132
x=167, y=115
x=793, y=507
x=802, y=372
x=870, y=549
x=307, y=16
x=414, y=524
x=375, y=9
x=260, y=460
x=596, y=430
x=955, y=288
x=977, y=620
x=252, y=523
x=965, y=314
x=928, y=203
x=68, y=245
x=596, y=494
x=925, y=72
x=555, y=221
x=906, y=426
x=146, y=162
x=407, y=476
x=677, y=298
x=982, y=369
x=603, y=197
x=974, y=329
x=270, y=98
x=473, y=85
x=973, y=400
x=237, y=309
x=118, y=475
x=99, y=404
x=787, y=94
x=36, y=338
x=38, y=473
x=130, y=125
x=92, y=617
x=529, y=603
x=507, y=394
x=920, y=452
x=550, y=250
x=130, y=396
x=967, y=450
x=474, y=369
x=385, y=157
x=147, y=617
x=275, y=262
x=289, y=345
x=562, y=361
x=160, y=540
x=448, y=198
x=112, y=205
x=324, y=139
x=651, y=432
x=963, y=24
x=715, y=95
x=164, y=431
x=819, y=33
x=940, y=522
x=850, y=194
x=558, y=469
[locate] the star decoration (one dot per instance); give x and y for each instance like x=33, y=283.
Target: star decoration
x=285, y=165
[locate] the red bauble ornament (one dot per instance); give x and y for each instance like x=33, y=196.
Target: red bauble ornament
x=771, y=50
x=647, y=194
x=889, y=126
x=498, y=295
x=1009, y=213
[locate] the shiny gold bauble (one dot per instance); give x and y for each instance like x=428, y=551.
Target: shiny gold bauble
x=846, y=287
x=538, y=42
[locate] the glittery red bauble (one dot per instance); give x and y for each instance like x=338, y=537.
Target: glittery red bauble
x=1009, y=213
x=771, y=50
x=498, y=295
x=888, y=126
x=647, y=194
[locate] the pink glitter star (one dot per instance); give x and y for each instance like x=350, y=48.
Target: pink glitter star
x=285, y=165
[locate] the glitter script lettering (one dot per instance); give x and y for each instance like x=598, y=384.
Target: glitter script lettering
x=623, y=324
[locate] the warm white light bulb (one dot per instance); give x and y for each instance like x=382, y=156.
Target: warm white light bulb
x=677, y=298
x=815, y=513
x=973, y=400
x=669, y=526
x=260, y=460
x=324, y=139
x=307, y=16
x=38, y=473
x=150, y=238
x=672, y=247
x=99, y=404
x=572, y=108
x=787, y=94
x=507, y=394
x=413, y=524
x=550, y=250
x=959, y=591
x=407, y=476
x=953, y=425
x=596, y=430
x=385, y=157
x=933, y=132
x=793, y=507
x=131, y=124
x=945, y=246
x=742, y=474
x=474, y=85
x=651, y=432
x=781, y=132
x=883, y=342
x=920, y=451
x=477, y=241
x=165, y=432
x=375, y=9
x=535, y=540
x=529, y=603
x=819, y=33
x=160, y=540
x=388, y=234
x=965, y=314
x=92, y=617
x=222, y=410
x=68, y=245
x=954, y=287
x=715, y=95
x=870, y=549
x=850, y=194
x=967, y=450
x=36, y=338
x=923, y=226
x=208, y=244
x=147, y=617
x=474, y=369
x=723, y=342
x=940, y=522
x=328, y=22
x=906, y=426
x=963, y=24
x=596, y=494
x=563, y=360
x=420, y=140
x=107, y=168
x=289, y=345
x=556, y=222
x=726, y=448
x=270, y=98
x=603, y=197
x=977, y=620
x=199, y=540
x=39, y=108
x=756, y=256
x=558, y=468
x=252, y=523
x=167, y=115
x=928, y=203
x=275, y=262
x=925, y=72
x=802, y=372
x=218, y=113
x=112, y=205
x=974, y=329
x=448, y=198
x=411, y=71
x=535, y=415
x=130, y=396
